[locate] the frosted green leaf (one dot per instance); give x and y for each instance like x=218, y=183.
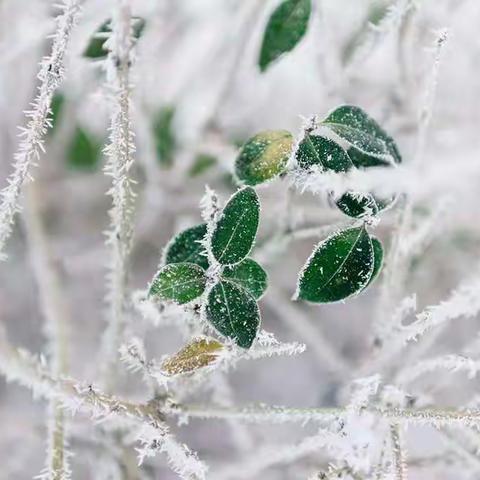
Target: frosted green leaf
x=362, y=160
x=179, y=282
x=186, y=247
x=96, y=47
x=236, y=229
x=200, y=352
x=164, y=136
x=285, y=28
x=377, y=259
x=339, y=267
x=321, y=151
x=233, y=312
x=264, y=156
x=249, y=275
x=362, y=132
x=83, y=152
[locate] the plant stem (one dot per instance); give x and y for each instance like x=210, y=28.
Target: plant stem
x=51, y=76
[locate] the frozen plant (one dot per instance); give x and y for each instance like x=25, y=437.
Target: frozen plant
x=288, y=284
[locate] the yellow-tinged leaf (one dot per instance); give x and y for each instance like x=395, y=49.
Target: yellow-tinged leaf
x=199, y=353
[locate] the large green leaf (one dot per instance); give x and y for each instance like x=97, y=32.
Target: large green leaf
x=180, y=282
x=339, y=267
x=187, y=247
x=233, y=312
x=164, y=136
x=362, y=132
x=84, y=151
x=96, y=47
x=236, y=229
x=285, y=28
x=249, y=275
x=321, y=151
x=264, y=156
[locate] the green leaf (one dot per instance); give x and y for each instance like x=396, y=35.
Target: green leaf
x=164, y=136
x=200, y=352
x=357, y=205
x=56, y=107
x=285, y=28
x=84, y=151
x=339, y=267
x=249, y=275
x=179, y=282
x=264, y=156
x=362, y=132
x=201, y=164
x=186, y=247
x=236, y=229
x=377, y=259
x=96, y=47
x=233, y=312
x=317, y=150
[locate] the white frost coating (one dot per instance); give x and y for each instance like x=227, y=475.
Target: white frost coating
x=181, y=459
x=283, y=454
x=31, y=145
x=363, y=390
x=119, y=153
x=453, y=363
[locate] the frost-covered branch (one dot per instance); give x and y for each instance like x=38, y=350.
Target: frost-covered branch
x=119, y=153
x=145, y=419
x=31, y=145
x=398, y=449
x=56, y=313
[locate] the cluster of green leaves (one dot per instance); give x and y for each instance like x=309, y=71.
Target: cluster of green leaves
x=346, y=263
x=230, y=302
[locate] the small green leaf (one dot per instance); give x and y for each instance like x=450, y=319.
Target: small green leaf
x=339, y=267
x=96, y=47
x=200, y=352
x=236, y=229
x=186, y=247
x=249, y=275
x=84, y=151
x=264, y=156
x=56, y=107
x=362, y=132
x=165, y=141
x=201, y=164
x=233, y=312
x=377, y=259
x=285, y=28
x=179, y=282
x=359, y=205
x=321, y=151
